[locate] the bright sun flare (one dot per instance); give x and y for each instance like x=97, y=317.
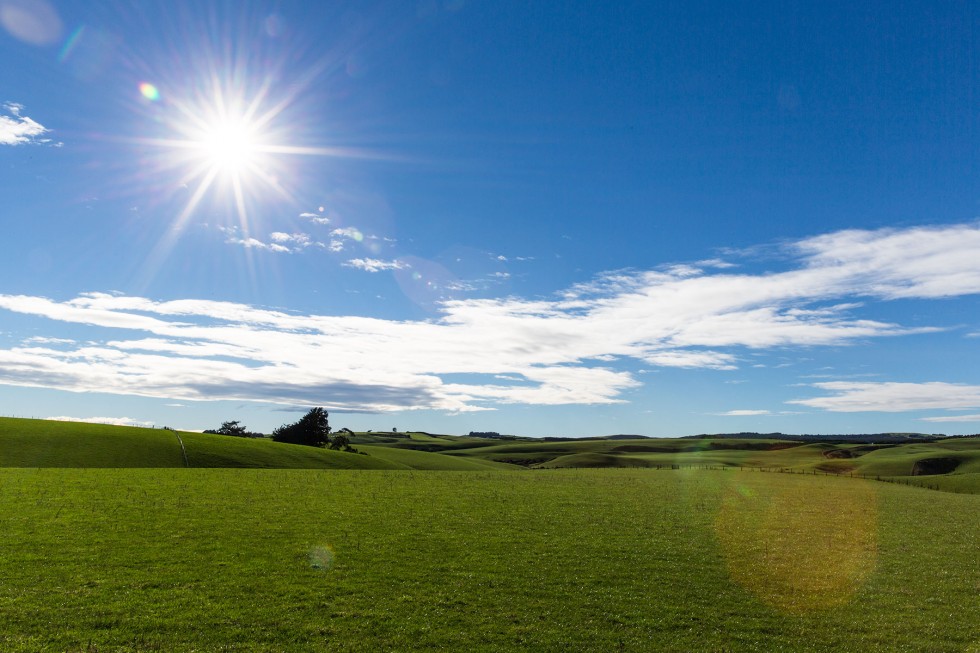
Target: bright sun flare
x=230, y=147
x=224, y=144
x=228, y=144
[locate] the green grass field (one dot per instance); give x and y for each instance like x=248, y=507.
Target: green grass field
x=560, y=560
x=39, y=443
x=111, y=541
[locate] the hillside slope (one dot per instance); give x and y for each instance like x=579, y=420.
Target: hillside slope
x=44, y=443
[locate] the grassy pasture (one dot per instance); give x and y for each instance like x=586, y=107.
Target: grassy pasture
x=422, y=460
x=39, y=443
x=209, y=450
x=888, y=461
x=43, y=443
x=583, y=560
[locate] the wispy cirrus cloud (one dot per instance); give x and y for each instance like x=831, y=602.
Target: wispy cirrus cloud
x=18, y=129
x=375, y=265
x=744, y=412
x=570, y=349
x=890, y=397
x=953, y=418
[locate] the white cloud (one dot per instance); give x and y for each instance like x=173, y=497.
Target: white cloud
x=560, y=348
x=45, y=340
x=953, y=418
x=280, y=242
x=351, y=233
x=375, y=265
x=293, y=242
x=315, y=218
x=717, y=263
x=924, y=262
x=890, y=397
x=744, y=413
x=17, y=129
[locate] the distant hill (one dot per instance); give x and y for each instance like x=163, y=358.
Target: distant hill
x=620, y=436
x=810, y=437
x=951, y=463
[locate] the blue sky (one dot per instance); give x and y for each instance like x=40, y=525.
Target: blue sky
x=570, y=218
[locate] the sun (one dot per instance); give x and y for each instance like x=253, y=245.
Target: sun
x=223, y=143
x=227, y=130
x=228, y=141
x=230, y=147
x=224, y=138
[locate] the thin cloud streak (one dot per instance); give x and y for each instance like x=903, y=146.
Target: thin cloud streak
x=953, y=418
x=889, y=397
x=744, y=413
x=567, y=350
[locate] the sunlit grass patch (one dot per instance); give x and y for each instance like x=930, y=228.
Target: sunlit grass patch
x=799, y=547
x=585, y=560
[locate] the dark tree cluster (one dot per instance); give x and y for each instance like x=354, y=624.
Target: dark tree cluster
x=235, y=429
x=493, y=435
x=313, y=430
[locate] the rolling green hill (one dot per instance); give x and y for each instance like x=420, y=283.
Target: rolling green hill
x=44, y=443
x=951, y=464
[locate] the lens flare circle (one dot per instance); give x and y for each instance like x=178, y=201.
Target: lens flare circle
x=321, y=558
x=149, y=91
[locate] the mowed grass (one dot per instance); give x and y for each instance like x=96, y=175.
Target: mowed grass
x=562, y=560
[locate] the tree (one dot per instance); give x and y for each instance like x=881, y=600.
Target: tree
x=312, y=429
x=233, y=428
x=230, y=428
